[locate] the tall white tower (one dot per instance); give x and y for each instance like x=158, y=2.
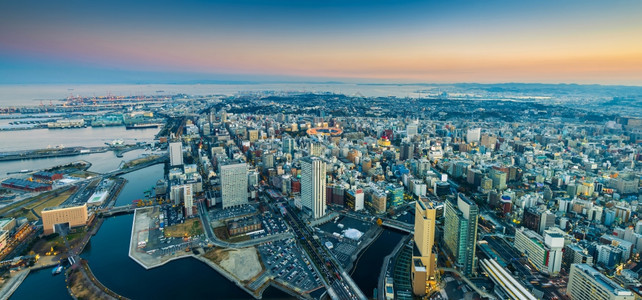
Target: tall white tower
x=176, y=154
x=313, y=185
x=233, y=183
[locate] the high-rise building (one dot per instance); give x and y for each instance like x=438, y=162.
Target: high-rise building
x=460, y=232
x=473, y=135
x=424, y=264
x=288, y=145
x=499, y=179
x=575, y=254
x=546, y=221
x=253, y=135
x=411, y=130
x=316, y=149
x=586, y=283
x=268, y=160
x=488, y=141
x=188, y=200
x=407, y=151
x=394, y=195
x=313, y=185
x=531, y=219
x=544, y=252
x=233, y=183
x=176, y=154
x=355, y=199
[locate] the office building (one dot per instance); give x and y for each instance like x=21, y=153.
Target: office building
x=546, y=221
x=188, y=200
x=176, y=154
x=460, y=232
x=473, y=135
x=313, y=185
x=545, y=253
x=253, y=135
x=355, y=199
x=395, y=195
x=233, y=183
x=407, y=151
x=288, y=145
x=72, y=216
x=411, y=130
x=424, y=264
x=575, y=254
x=499, y=179
x=586, y=283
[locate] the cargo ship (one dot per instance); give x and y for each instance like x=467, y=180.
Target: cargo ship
x=142, y=126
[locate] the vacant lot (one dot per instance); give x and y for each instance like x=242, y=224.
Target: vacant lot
x=191, y=227
x=138, y=161
x=243, y=263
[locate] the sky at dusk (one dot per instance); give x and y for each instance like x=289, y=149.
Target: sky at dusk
x=491, y=41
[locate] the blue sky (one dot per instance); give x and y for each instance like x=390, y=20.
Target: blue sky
x=380, y=41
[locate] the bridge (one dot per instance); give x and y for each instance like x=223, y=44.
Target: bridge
x=116, y=210
x=505, y=284
x=398, y=225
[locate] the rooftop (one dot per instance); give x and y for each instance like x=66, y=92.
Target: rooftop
x=604, y=281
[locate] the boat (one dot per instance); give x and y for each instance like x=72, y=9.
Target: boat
x=141, y=126
x=57, y=270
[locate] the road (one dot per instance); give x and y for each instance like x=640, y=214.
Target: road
x=340, y=284
x=205, y=220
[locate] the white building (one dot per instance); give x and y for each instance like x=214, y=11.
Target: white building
x=545, y=253
x=233, y=183
x=411, y=130
x=313, y=185
x=176, y=154
x=473, y=135
x=188, y=200
x=586, y=283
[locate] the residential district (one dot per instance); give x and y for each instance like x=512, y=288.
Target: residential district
x=499, y=199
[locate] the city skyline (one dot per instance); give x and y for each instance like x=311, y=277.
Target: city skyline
x=380, y=41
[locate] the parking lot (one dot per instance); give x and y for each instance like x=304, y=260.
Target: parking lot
x=172, y=215
x=232, y=212
x=158, y=244
x=271, y=225
x=284, y=260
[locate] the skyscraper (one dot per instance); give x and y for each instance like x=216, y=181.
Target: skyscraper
x=176, y=154
x=188, y=200
x=460, y=232
x=407, y=151
x=313, y=185
x=233, y=183
x=288, y=145
x=411, y=130
x=425, y=263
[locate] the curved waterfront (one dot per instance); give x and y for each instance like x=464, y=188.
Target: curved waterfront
x=366, y=273
x=42, y=285
x=107, y=254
